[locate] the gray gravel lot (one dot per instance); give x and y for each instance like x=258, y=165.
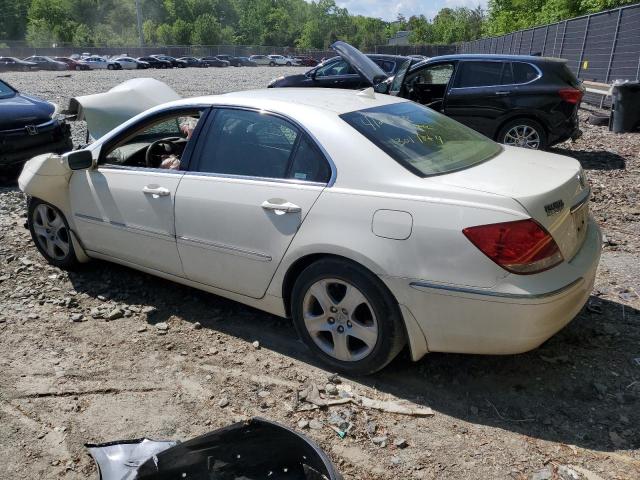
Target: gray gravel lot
x=109, y=353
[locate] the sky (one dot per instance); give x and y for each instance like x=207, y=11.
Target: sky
x=389, y=10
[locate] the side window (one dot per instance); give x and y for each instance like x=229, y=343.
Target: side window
x=523, y=72
x=309, y=164
x=386, y=65
x=156, y=144
x=248, y=143
x=435, y=75
x=479, y=74
x=339, y=67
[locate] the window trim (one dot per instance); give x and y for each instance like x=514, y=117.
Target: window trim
x=186, y=154
x=206, y=126
x=511, y=62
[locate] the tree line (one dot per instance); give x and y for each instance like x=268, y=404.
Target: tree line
x=293, y=23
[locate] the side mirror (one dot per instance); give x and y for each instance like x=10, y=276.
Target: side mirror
x=382, y=87
x=79, y=159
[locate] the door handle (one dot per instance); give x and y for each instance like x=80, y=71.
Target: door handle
x=280, y=207
x=503, y=93
x=155, y=191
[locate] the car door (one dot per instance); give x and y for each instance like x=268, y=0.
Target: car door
x=429, y=84
x=123, y=209
x=338, y=74
x=482, y=93
x=253, y=180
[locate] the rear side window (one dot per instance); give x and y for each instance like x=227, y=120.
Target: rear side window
x=482, y=74
x=248, y=143
x=523, y=72
x=420, y=139
x=386, y=65
x=567, y=76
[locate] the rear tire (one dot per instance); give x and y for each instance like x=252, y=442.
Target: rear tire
x=523, y=132
x=51, y=234
x=272, y=64
x=347, y=316
x=110, y=67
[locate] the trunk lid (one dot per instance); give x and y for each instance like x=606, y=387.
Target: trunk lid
x=366, y=67
x=552, y=188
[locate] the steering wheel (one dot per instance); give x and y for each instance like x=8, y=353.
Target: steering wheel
x=153, y=159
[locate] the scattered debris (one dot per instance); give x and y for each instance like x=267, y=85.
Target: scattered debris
x=224, y=401
x=400, y=443
x=396, y=407
x=256, y=345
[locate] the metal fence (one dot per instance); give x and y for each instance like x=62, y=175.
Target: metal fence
x=22, y=50
x=601, y=47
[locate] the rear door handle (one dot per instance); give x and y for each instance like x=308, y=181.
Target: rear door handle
x=280, y=207
x=155, y=191
x=503, y=93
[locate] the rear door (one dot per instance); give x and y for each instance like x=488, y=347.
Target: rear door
x=254, y=179
x=481, y=94
x=338, y=74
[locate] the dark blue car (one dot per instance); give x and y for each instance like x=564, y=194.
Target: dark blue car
x=27, y=128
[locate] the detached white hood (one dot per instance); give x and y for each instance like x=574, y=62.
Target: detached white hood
x=105, y=111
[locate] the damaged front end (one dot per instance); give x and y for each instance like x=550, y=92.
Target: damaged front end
x=251, y=450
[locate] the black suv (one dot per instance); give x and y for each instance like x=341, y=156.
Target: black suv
x=517, y=100
x=526, y=101
x=336, y=72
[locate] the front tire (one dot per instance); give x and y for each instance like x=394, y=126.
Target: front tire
x=51, y=234
x=110, y=67
x=523, y=132
x=347, y=316
x=272, y=64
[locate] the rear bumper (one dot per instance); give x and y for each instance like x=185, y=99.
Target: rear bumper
x=17, y=146
x=503, y=320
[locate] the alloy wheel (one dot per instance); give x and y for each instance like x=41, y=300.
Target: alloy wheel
x=523, y=136
x=51, y=232
x=340, y=319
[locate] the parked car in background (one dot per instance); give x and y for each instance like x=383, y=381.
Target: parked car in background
x=374, y=222
x=173, y=61
x=46, y=63
x=525, y=101
x=155, y=62
x=129, y=63
x=194, y=62
x=419, y=57
x=281, y=60
x=307, y=61
x=12, y=64
x=100, y=63
x=260, y=59
x=73, y=64
x=246, y=62
x=28, y=128
x=338, y=73
x=215, y=62
x=233, y=61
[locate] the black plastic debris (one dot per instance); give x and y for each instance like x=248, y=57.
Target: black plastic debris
x=251, y=450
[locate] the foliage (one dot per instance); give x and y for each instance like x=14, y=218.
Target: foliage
x=305, y=24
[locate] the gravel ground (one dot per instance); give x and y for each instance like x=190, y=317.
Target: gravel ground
x=109, y=353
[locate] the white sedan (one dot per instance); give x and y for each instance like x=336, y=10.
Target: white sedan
x=374, y=222
x=100, y=63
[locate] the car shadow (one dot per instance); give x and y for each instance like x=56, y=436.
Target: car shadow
x=594, y=160
x=581, y=387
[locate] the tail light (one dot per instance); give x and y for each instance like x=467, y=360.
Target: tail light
x=570, y=95
x=522, y=247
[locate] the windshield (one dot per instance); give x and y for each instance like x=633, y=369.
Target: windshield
x=423, y=141
x=6, y=91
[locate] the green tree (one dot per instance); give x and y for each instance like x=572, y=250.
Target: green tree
x=206, y=30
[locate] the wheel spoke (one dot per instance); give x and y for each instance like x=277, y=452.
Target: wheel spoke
x=316, y=323
x=340, y=347
x=40, y=230
x=352, y=299
x=57, y=222
x=50, y=247
x=368, y=335
x=319, y=291
x=61, y=244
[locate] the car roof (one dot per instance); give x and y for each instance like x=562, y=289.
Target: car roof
x=281, y=100
x=486, y=56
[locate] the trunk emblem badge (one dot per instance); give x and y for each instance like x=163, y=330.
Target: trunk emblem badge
x=31, y=129
x=553, y=208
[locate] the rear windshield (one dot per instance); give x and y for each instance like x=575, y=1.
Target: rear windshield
x=425, y=142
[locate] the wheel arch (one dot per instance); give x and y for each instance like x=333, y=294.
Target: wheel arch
x=521, y=115
x=415, y=337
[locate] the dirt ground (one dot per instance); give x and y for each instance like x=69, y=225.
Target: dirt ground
x=82, y=360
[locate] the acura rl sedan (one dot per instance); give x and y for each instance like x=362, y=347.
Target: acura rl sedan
x=373, y=221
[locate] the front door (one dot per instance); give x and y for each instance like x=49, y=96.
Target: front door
x=429, y=85
x=481, y=95
x=253, y=180
x=338, y=74
x=124, y=207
